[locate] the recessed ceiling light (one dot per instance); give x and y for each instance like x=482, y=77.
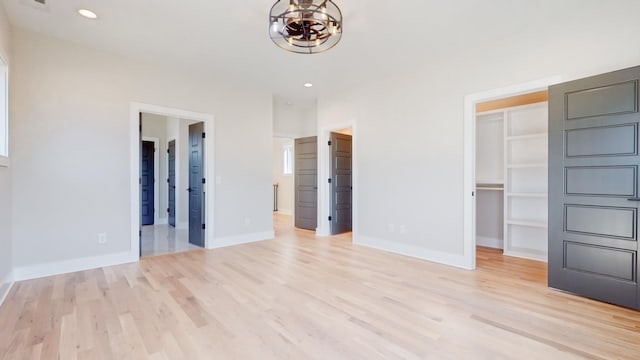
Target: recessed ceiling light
x=88, y=14
x=308, y=85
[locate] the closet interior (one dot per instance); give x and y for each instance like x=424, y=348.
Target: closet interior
x=511, y=177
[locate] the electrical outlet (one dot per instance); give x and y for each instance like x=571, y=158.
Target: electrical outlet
x=403, y=229
x=391, y=228
x=247, y=221
x=102, y=238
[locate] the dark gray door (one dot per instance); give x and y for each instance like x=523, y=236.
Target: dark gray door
x=196, y=180
x=146, y=183
x=306, y=183
x=171, y=182
x=593, y=187
x=140, y=184
x=340, y=183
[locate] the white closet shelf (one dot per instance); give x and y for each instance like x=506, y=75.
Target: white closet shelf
x=528, y=137
x=489, y=188
x=536, y=224
x=526, y=166
x=529, y=195
x=489, y=182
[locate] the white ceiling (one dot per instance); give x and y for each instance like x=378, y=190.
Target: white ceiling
x=229, y=38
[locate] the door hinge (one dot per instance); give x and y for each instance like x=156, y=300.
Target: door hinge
x=204, y=226
x=329, y=218
x=329, y=180
x=204, y=135
x=204, y=181
x=329, y=143
x=167, y=151
x=167, y=181
x=140, y=181
x=168, y=210
x=140, y=233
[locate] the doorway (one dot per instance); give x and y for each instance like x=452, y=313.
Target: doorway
x=170, y=231
x=341, y=181
x=511, y=175
x=163, y=163
x=338, y=180
x=283, y=174
x=508, y=182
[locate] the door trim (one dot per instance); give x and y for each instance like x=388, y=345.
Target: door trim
x=468, y=260
x=135, y=109
x=324, y=172
x=156, y=177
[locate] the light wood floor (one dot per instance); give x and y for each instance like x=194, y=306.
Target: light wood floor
x=298, y=297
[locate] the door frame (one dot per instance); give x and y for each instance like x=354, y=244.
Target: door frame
x=156, y=177
x=469, y=157
x=135, y=109
x=324, y=172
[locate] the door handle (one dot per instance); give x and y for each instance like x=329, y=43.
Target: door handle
x=634, y=199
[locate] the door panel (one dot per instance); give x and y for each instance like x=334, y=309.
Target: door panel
x=602, y=100
x=171, y=183
x=146, y=183
x=196, y=180
x=341, y=186
x=601, y=180
x=306, y=183
x=602, y=141
x=593, y=185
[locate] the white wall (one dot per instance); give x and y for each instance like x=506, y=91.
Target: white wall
x=295, y=120
x=156, y=126
x=71, y=147
x=6, y=258
x=285, y=182
x=414, y=177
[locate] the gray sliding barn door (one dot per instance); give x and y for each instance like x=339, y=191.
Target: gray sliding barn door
x=593, y=187
x=306, y=183
x=340, y=183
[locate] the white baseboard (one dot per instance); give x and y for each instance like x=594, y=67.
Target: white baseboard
x=412, y=251
x=489, y=242
x=241, y=239
x=285, y=212
x=5, y=287
x=73, y=265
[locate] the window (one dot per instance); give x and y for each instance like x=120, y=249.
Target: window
x=4, y=113
x=287, y=151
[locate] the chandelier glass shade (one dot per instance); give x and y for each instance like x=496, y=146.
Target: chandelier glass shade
x=305, y=26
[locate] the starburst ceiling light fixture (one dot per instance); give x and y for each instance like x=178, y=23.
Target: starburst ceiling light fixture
x=305, y=26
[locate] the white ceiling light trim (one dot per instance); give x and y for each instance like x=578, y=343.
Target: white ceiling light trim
x=88, y=14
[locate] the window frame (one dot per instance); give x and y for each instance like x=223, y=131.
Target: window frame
x=287, y=160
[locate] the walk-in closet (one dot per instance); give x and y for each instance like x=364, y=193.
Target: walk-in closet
x=511, y=179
